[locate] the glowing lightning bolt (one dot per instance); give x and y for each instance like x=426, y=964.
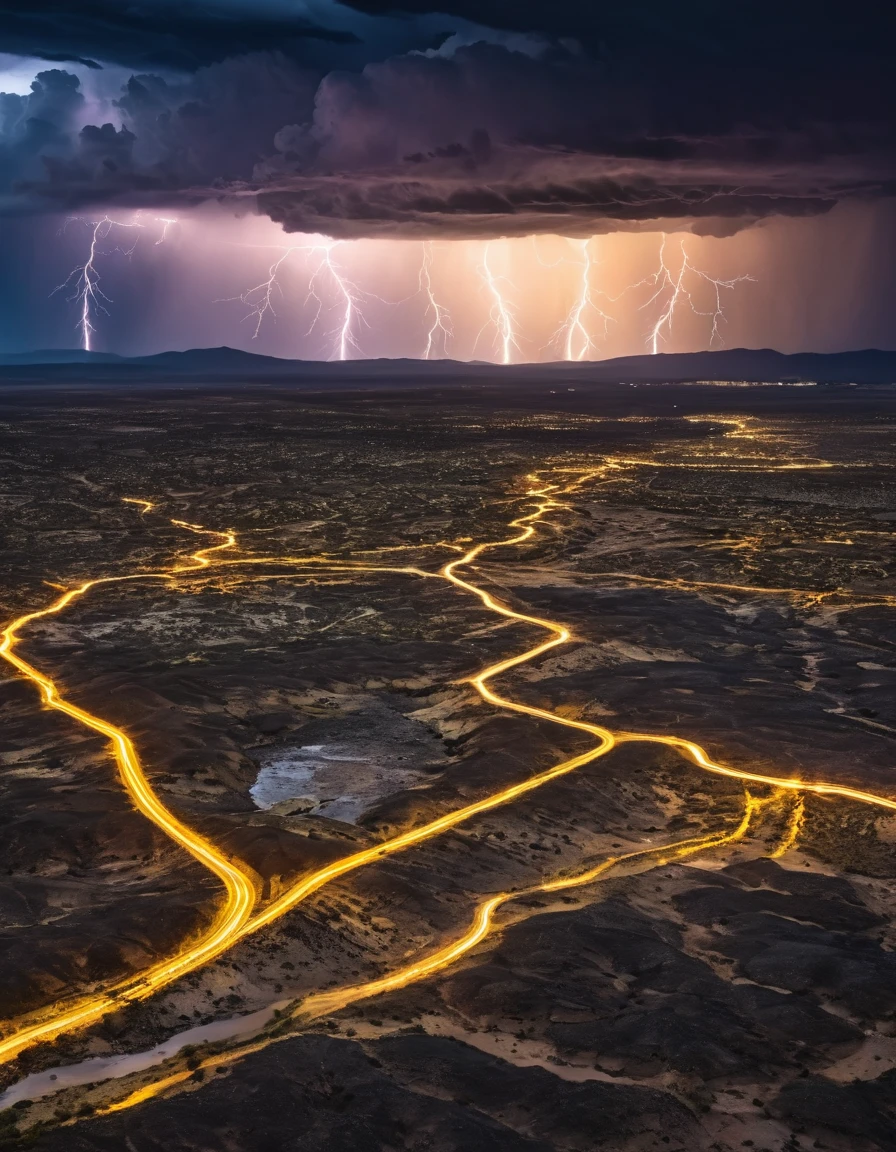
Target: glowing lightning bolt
x=346, y=339
x=166, y=222
x=578, y=341
x=85, y=278
x=351, y=300
x=501, y=314
x=258, y=299
x=664, y=279
x=441, y=322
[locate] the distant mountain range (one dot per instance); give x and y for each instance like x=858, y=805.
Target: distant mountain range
x=870, y=366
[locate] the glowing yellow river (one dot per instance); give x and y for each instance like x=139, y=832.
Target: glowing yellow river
x=235, y=918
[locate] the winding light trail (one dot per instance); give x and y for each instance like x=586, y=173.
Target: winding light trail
x=683, y=585
x=794, y=827
x=239, y=887
x=325, y=1003
x=234, y=921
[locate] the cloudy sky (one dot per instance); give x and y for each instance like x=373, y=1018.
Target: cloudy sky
x=488, y=179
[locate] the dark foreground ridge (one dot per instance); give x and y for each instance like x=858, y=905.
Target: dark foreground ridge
x=751, y=365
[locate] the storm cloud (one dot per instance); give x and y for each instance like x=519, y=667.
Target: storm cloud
x=533, y=117
x=171, y=34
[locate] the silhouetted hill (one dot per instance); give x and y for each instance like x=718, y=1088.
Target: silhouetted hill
x=871, y=366
x=228, y=361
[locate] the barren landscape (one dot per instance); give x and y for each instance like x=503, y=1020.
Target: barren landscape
x=452, y=767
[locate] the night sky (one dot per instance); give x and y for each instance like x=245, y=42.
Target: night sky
x=488, y=180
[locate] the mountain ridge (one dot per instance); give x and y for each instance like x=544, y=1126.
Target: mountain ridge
x=753, y=365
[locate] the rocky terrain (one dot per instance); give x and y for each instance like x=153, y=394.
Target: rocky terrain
x=723, y=560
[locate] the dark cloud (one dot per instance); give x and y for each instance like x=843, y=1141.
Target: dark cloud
x=204, y=131
x=563, y=144
x=40, y=125
x=569, y=118
x=175, y=34
x=801, y=33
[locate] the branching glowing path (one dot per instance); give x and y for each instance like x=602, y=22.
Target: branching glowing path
x=325, y=1003
x=238, y=885
x=794, y=827
x=234, y=922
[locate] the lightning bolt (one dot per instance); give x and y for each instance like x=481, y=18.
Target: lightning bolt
x=664, y=279
x=575, y=336
x=84, y=278
x=166, y=222
x=501, y=314
x=332, y=290
x=350, y=299
x=351, y=296
x=259, y=298
x=440, y=331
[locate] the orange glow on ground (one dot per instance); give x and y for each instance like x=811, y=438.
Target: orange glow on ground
x=235, y=920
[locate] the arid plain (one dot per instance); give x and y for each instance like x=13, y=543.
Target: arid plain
x=459, y=767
